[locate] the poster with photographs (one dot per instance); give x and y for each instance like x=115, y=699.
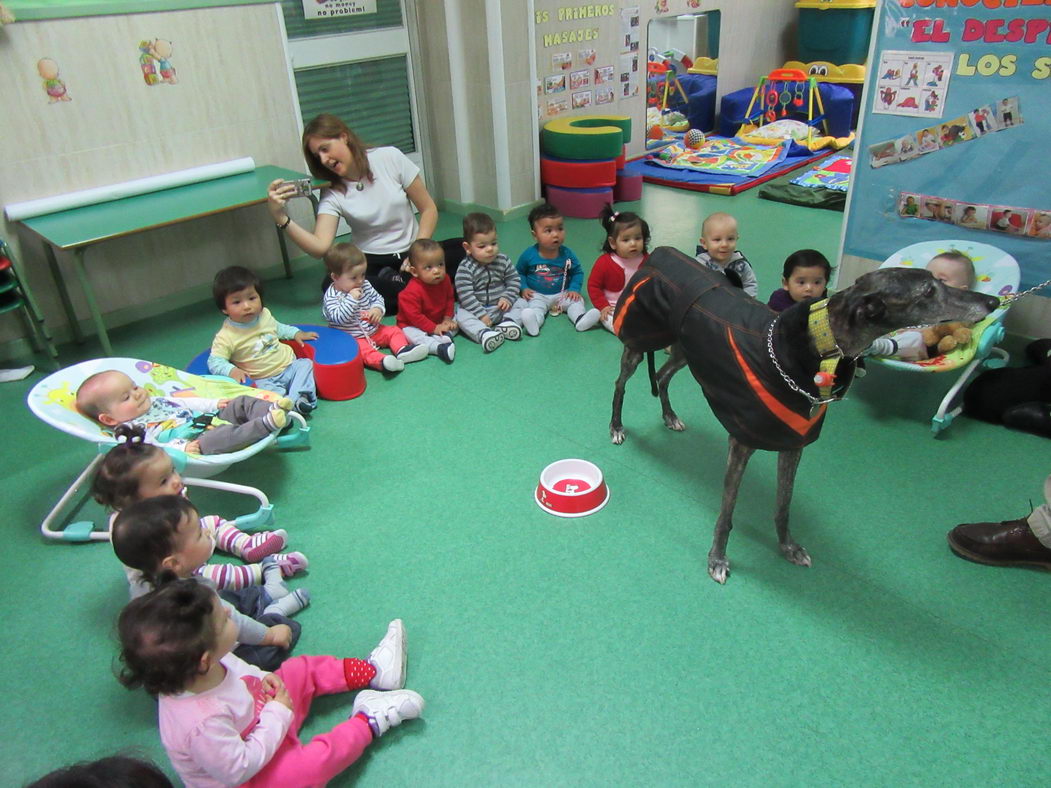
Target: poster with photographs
x=603, y=75
x=587, y=57
x=562, y=61
x=604, y=94
x=976, y=216
x=556, y=83
x=557, y=106
x=580, y=79
x=582, y=99
x=912, y=83
x=629, y=29
x=629, y=75
x=969, y=126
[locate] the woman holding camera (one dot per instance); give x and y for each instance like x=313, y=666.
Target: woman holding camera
x=374, y=189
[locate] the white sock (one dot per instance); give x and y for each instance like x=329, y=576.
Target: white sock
x=289, y=605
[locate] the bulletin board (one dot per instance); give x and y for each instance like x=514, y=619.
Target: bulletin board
x=955, y=131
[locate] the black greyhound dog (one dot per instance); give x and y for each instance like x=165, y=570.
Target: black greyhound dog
x=767, y=377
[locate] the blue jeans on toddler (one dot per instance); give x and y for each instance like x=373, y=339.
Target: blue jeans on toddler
x=296, y=382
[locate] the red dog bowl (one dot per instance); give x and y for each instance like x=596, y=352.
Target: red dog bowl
x=571, y=488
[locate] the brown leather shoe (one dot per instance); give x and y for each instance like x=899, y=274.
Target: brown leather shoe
x=1010, y=543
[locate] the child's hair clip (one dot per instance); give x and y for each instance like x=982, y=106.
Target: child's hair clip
x=615, y=215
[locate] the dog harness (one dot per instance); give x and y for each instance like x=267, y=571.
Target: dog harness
x=724, y=336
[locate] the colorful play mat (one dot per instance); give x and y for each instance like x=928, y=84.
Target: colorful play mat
x=724, y=165
x=822, y=186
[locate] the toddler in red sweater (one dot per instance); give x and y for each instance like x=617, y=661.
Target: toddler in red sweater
x=425, y=306
x=627, y=236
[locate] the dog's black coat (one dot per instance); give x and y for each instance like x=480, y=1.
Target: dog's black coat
x=723, y=333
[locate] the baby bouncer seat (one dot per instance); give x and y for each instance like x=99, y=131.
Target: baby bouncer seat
x=996, y=273
x=53, y=401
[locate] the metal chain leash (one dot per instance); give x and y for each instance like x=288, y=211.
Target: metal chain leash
x=1010, y=298
x=814, y=401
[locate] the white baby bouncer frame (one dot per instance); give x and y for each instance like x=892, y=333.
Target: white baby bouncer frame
x=53, y=401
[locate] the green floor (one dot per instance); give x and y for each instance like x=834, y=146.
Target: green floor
x=593, y=651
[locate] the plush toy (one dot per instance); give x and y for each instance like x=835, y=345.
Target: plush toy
x=945, y=337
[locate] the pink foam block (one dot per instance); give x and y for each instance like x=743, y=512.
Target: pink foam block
x=628, y=187
x=579, y=203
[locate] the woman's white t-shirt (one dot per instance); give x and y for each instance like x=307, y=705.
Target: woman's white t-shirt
x=381, y=217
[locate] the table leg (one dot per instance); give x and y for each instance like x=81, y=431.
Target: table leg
x=63, y=294
x=284, y=253
x=89, y=294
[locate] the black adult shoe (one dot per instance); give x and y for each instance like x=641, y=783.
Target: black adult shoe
x=1039, y=352
x=1034, y=417
x=1010, y=543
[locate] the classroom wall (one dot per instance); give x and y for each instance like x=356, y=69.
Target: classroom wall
x=756, y=36
x=232, y=99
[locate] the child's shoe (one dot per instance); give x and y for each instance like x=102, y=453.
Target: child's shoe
x=588, y=320
x=491, y=340
x=411, y=353
x=284, y=403
x=393, y=364
x=304, y=407
x=531, y=322
x=276, y=419
x=383, y=710
x=510, y=329
x=291, y=563
x=446, y=352
x=263, y=544
x=388, y=658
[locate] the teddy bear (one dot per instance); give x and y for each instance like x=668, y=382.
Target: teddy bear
x=945, y=337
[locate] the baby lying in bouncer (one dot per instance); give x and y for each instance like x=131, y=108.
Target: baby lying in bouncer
x=952, y=268
x=185, y=423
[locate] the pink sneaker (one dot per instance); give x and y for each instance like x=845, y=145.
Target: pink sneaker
x=273, y=542
x=291, y=563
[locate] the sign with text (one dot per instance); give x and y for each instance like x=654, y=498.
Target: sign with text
x=329, y=9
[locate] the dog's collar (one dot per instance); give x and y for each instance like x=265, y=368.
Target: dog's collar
x=827, y=349
x=830, y=353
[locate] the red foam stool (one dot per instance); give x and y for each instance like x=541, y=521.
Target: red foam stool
x=339, y=372
x=580, y=174
x=580, y=203
x=622, y=159
x=628, y=187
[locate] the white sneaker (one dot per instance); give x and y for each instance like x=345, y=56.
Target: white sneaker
x=386, y=709
x=589, y=319
x=491, y=340
x=531, y=322
x=393, y=364
x=413, y=353
x=510, y=329
x=388, y=658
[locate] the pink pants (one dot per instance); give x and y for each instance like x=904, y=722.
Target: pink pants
x=385, y=336
x=327, y=754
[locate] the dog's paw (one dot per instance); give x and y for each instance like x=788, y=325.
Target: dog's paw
x=673, y=422
x=719, y=569
x=796, y=554
x=616, y=434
